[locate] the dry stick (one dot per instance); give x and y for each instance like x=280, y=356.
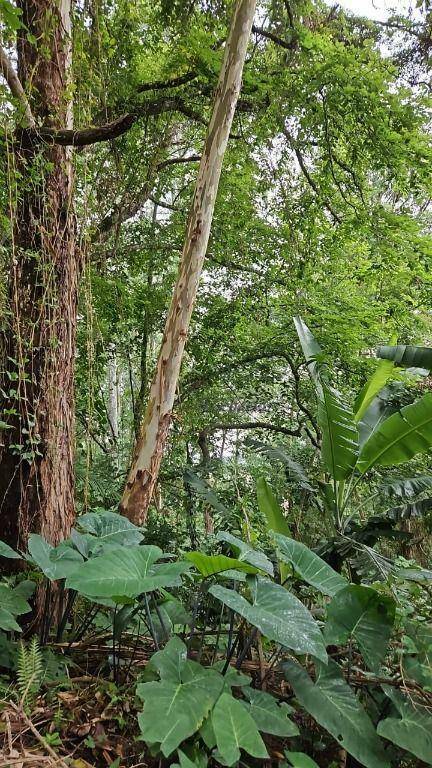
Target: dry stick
x=154, y=429
x=38, y=735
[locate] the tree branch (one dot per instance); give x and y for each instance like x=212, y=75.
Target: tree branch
x=308, y=177
x=175, y=82
x=68, y=137
x=289, y=46
x=92, y=135
x=254, y=425
x=178, y=160
x=16, y=89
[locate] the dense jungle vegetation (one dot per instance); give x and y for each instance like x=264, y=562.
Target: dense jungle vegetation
x=215, y=384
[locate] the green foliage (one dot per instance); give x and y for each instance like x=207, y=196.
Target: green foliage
x=12, y=604
x=333, y=704
x=30, y=673
x=407, y=356
x=309, y=566
x=209, y=565
x=235, y=729
x=360, y=613
x=278, y=614
x=269, y=716
x=300, y=760
x=400, y=437
x=410, y=728
x=183, y=700
x=125, y=572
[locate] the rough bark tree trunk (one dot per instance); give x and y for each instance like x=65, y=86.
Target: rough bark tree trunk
x=154, y=429
x=37, y=376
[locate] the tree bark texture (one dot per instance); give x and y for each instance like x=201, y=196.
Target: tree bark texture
x=38, y=344
x=155, y=426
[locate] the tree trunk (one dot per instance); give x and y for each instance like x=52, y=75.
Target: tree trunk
x=113, y=410
x=154, y=429
x=38, y=346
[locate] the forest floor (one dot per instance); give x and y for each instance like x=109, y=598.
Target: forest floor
x=90, y=721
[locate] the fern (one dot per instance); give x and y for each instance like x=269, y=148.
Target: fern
x=29, y=673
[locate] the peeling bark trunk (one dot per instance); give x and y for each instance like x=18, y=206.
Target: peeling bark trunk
x=154, y=429
x=37, y=377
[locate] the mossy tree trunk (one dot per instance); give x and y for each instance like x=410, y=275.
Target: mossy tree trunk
x=38, y=345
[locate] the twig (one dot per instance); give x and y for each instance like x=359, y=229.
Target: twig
x=20, y=712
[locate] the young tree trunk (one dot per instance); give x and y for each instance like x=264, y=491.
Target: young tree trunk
x=154, y=429
x=38, y=346
x=113, y=409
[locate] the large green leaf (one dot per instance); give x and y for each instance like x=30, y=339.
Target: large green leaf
x=7, y=551
x=174, y=710
x=270, y=508
x=309, y=566
x=12, y=604
x=300, y=760
x=111, y=528
x=55, y=562
x=379, y=410
x=412, y=730
x=333, y=704
x=7, y=621
x=125, y=572
x=419, y=575
x=209, y=565
x=400, y=437
x=268, y=714
x=278, y=614
x=406, y=487
x=364, y=614
x=373, y=386
x=417, y=509
x=235, y=729
x=339, y=433
x=246, y=553
x=312, y=351
x=276, y=521
x=170, y=661
x=407, y=356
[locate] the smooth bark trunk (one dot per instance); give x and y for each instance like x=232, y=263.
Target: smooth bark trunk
x=154, y=429
x=38, y=346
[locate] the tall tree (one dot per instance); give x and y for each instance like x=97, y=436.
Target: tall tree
x=36, y=452
x=154, y=429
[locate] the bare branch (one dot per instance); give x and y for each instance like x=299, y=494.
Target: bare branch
x=16, y=89
x=289, y=46
x=254, y=425
x=178, y=160
x=308, y=177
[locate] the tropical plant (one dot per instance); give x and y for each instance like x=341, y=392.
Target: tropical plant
x=358, y=441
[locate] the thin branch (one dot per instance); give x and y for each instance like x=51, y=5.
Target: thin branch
x=14, y=83
x=308, y=177
x=178, y=160
x=164, y=204
x=289, y=46
x=254, y=425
